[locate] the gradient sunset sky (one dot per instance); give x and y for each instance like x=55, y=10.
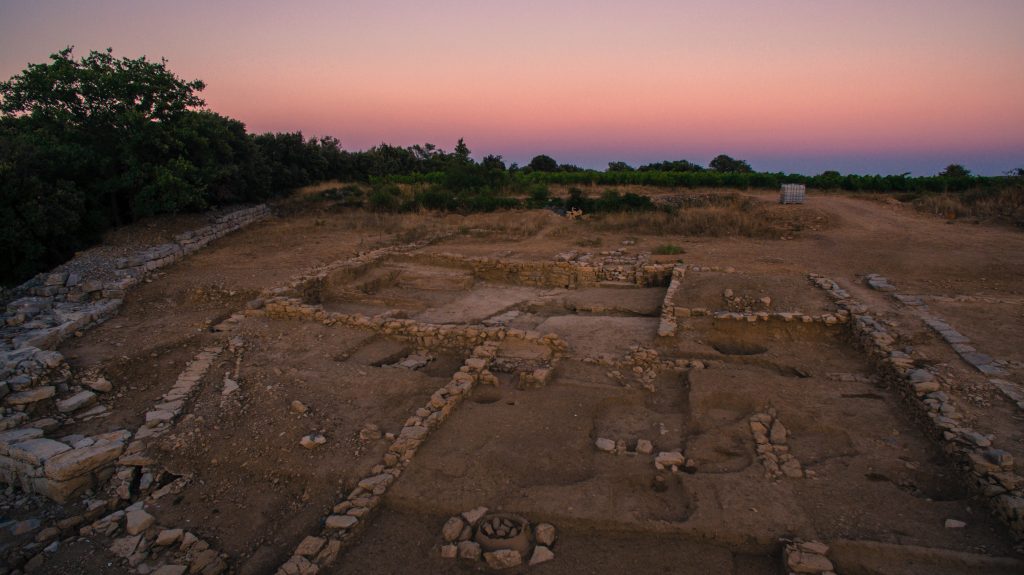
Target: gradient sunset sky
x=869, y=86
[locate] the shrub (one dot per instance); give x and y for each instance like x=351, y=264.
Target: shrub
x=385, y=198
x=668, y=250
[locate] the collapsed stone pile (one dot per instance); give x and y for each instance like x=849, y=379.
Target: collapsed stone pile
x=150, y=548
x=986, y=470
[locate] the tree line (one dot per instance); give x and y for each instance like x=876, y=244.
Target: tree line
x=91, y=143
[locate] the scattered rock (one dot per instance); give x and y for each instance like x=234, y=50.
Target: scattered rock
x=669, y=458
x=137, y=521
x=24, y=526
x=955, y=524
x=310, y=546
x=644, y=447
x=168, y=537
x=170, y=570
x=340, y=522
x=469, y=550
x=452, y=529
x=801, y=562
x=125, y=546
x=370, y=432
x=503, y=559
x=298, y=407
x=541, y=554
x=606, y=445
x=474, y=515
x=545, y=534
x=312, y=441
x=76, y=402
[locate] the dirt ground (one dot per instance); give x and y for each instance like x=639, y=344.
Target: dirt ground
x=870, y=474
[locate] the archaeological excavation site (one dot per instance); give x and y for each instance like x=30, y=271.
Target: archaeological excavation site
x=300, y=390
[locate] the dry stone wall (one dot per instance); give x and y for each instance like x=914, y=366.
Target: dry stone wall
x=985, y=469
x=570, y=270
x=34, y=377
x=58, y=304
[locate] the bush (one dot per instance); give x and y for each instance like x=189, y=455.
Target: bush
x=668, y=250
x=385, y=198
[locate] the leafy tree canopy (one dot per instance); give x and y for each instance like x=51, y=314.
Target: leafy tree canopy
x=543, y=163
x=724, y=163
x=99, y=90
x=955, y=171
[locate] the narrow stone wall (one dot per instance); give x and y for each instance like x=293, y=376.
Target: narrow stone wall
x=567, y=271
x=667, y=327
x=985, y=469
x=461, y=337
x=351, y=515
x=58, y=304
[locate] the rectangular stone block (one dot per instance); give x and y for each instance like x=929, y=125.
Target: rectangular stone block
x=37, y=451
x=9, y=438
x=61, y=491
x=78, y=462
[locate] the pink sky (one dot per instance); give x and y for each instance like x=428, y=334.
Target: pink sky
x=868, y=86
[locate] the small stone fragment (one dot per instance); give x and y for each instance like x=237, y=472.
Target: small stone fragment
x=669, y=458
x=474, y=515
x=170, y=570
x=452, y=529
x=168, y=537
x=541, y=554
x=125, y=546
x=545, y=534
x=298, y=407
x=799, y=562
x=310, y=546
x=503, y=559
x=137, y=521
x=469, y=550
x=449, y=551
x=340, y=522
x=312, y=441
x=644, y=447
x=955, y=524
x=606, y=445
x=779, y=433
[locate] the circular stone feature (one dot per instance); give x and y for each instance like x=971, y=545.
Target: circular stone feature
x=497, y=531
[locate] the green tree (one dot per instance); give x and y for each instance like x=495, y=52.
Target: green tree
x=543, y=163
x=462, y=152
x=100, y=91
x=725, y=164
x=955, y=171
x=619, y=167
x=121, y=109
